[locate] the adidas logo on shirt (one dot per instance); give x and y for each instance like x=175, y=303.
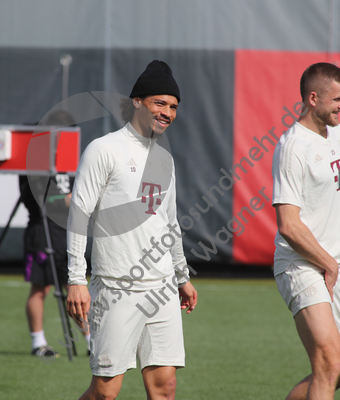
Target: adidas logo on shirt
x=317, y=158
x=132, y=162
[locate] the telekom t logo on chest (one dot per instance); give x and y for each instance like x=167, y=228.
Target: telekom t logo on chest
x=336, y=177
x=152, y=187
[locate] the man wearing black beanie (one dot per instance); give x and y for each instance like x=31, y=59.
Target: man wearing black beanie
x=155, y=82
x=126, y=184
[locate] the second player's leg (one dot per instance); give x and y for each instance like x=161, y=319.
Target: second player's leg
x=320, y=336
x=299, y=392
x=160, y=382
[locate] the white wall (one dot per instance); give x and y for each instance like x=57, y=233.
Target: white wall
x=307, y=25
x=9, y=189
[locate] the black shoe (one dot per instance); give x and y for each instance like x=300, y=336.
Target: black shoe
x=45, y=351
x=88, y=352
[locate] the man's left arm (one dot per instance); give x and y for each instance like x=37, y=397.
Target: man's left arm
x=188, y=295
x=186, y=290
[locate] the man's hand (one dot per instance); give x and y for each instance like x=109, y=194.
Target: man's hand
x=78, y=303
x=331, y=276
x=301, y=239
x=188, y=296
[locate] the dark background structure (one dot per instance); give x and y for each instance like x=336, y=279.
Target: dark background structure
x=237, y=63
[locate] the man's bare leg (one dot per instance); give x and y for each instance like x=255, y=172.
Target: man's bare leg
x=320, y=336
x=300, y=391
x=160, y=382
x=103, y=388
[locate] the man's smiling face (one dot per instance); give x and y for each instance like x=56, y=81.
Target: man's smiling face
x=158, y=112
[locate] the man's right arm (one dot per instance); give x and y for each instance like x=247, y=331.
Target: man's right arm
x=90, y=181
x=301, y=239
x=78, y=298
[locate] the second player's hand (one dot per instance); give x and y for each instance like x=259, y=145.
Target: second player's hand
x=188, y=296
x=331, y=276
x=78, y=303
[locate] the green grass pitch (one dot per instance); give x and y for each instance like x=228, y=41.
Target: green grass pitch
x=240, y=342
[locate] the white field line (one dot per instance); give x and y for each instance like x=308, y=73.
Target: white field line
x=14, y=284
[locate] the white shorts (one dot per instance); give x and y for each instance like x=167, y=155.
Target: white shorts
x=303, y=286
x=120, y=330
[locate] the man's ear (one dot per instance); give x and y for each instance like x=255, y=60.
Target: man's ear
x=312, y=98
x=137, y=102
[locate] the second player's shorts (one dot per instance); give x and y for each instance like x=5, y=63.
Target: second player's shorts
x=121, y=330
x=304, y=285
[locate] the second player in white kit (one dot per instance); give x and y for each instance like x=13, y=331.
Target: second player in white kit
x=306, y=196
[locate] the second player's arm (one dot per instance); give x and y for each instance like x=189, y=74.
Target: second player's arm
x=301, y=239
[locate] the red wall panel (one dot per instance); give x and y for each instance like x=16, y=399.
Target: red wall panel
x=31, y=151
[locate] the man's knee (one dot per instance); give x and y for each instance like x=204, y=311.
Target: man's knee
x=98, y=396
x=101, y=394
x=103, y=388
x=106, y=396
x=327, y=361
x=160, y=381
x=168, y=387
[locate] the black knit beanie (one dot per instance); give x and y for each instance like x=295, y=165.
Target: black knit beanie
x=156, y=79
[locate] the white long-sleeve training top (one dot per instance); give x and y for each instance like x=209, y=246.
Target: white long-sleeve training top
x=124, y=196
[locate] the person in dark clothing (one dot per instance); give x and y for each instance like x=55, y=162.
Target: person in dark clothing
x=56, y=193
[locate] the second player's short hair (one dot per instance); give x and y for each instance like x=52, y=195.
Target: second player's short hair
x=317, y=78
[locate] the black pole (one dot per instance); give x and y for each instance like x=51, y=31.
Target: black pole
x=68, y=324
x=58, y=292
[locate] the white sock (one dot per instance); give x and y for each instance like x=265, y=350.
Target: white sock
x=38, y=339
x=87, y=338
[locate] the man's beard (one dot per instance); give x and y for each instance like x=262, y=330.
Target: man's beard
x=326, y=118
